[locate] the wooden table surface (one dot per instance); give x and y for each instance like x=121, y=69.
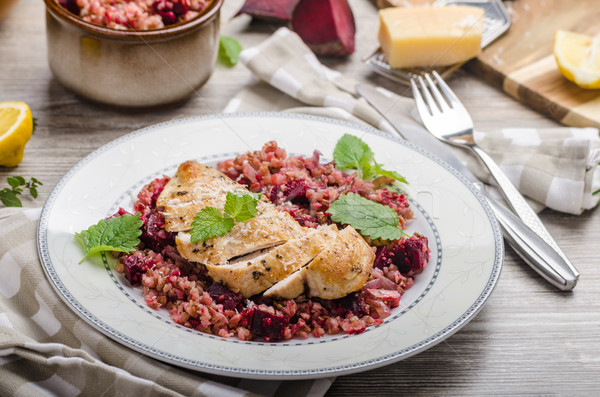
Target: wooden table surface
x=529, y=338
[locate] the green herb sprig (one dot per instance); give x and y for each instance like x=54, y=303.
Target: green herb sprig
x=229, y=50
x=211, y=222
x=120, y=234
x=353, y=153
x=10, y=196
x=372, y=219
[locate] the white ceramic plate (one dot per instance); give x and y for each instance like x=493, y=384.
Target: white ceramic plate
x=466, y=245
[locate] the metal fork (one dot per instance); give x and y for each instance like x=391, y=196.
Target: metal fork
x=447, y=119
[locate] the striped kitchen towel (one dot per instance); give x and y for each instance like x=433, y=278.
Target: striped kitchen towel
x=557, y=168
x=47, y=350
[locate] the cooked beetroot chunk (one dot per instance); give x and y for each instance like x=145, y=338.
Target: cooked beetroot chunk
x=412, y=254
x=351, y=303
x=220, y=294
x=383, y=258
x=135, y=266
x=409, y=255
x=293, y=191
x=154, y=234
x=270, y=326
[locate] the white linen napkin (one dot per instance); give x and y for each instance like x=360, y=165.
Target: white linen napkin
x=557, y=167
x=46, y=349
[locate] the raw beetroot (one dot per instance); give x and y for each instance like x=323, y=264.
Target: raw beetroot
x=270, y=10
x=326, y=26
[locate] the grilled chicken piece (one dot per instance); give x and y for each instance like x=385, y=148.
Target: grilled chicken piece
x=256, y=272
x=341, y=268
x=268, y=228
x=290, y=287
x=194, y=187
x=270, y=248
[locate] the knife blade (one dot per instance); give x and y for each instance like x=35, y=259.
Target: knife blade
x=535, y=251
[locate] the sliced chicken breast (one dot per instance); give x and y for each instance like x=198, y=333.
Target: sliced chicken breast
x=194, y=187
x=268, y=228
x=268, y=252
x=254, y=273
x=341, y=268
x=290, y=287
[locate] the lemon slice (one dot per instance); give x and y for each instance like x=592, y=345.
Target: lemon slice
x=578, y=58
x=16, y=126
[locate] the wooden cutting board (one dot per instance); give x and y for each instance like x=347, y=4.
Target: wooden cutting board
x=522, y=64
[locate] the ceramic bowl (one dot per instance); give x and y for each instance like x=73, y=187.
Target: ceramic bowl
x=132, y=69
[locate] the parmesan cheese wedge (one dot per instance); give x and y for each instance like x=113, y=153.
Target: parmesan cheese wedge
x=430, y=36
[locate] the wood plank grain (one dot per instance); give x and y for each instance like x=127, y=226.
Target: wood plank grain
x=521, y=61
x=531, y=33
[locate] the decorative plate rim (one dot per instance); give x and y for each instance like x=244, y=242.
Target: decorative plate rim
x=457, y=324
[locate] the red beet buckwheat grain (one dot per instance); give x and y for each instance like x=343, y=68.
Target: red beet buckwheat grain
x=303, y=187
x=135, y=14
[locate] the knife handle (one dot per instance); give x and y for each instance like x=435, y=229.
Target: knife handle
x=520, y=206
x=534, y=250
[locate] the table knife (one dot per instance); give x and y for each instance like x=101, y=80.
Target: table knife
x=535, y=251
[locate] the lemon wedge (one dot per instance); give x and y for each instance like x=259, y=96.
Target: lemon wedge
x=16, y=126
x=578, y=58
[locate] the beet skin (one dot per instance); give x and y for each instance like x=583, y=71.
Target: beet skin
x=269, y=10
x=326, y=26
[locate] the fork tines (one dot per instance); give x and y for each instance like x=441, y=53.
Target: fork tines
x=425, y=90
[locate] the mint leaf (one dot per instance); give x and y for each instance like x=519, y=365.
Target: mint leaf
x=351, y=152
x=366, y=171
x=229, y=50
x=372, y=219
x=242, y=207
x=390, y=174
x=9, y=199
x=15, y=181
x=210, y=222
x=119, y=234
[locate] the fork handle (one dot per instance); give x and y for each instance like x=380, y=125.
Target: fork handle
x=521, y=207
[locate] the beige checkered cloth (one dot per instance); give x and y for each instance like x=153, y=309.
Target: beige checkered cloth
x=557, y=168
x=47, y=350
